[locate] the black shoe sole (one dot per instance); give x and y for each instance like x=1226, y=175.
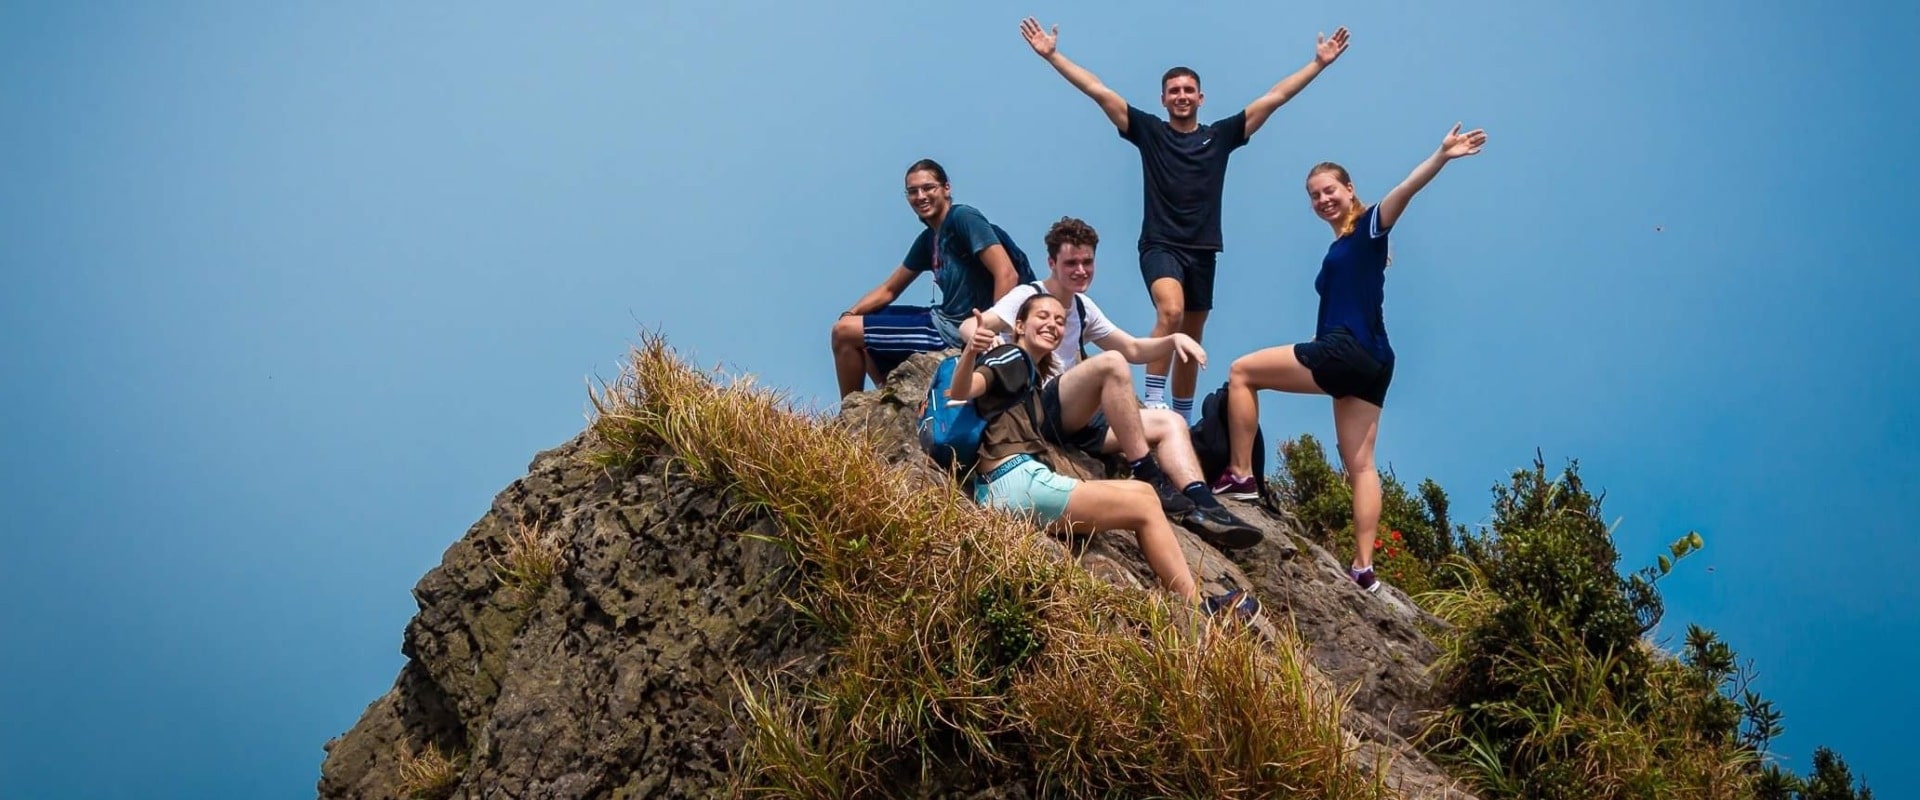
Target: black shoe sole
x=1223, y=537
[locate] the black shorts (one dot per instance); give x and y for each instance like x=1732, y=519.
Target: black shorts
x=1090, y=438
x=1342, y=368
x=1192, y=268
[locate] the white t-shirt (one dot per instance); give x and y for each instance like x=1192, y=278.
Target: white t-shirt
x=1092, y=329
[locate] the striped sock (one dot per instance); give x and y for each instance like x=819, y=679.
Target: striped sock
x=1156, y=389
x=1184, y=407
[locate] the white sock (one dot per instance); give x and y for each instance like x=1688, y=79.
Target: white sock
x=1184, y=407
x=1156, y=388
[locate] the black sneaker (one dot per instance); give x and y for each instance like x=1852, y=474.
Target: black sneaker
x=1240, y=602
x=1172, y=502
x=1217, y=526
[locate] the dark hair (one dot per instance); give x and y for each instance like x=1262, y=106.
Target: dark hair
x=1177, y=72
x=1046, y=365
x=1070, y=231
x=929, y=165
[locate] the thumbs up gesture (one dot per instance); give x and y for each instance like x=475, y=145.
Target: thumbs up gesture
x=983, y=338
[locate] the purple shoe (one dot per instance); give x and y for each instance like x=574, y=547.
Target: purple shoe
x=1364, y=579
x=1234, y=487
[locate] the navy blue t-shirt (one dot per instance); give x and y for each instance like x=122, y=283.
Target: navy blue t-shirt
x=964, y=282
x=1352, y=285
x=1184, y=174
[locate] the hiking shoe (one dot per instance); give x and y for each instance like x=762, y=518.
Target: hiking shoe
x=1219, y=527
x=1240, y=602
x=1234, y=487
x=1364, y=579
x=1172, y=502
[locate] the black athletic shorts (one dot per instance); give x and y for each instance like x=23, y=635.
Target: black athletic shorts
x=1192, y=268
x=1342, y=368
x=1090, y=438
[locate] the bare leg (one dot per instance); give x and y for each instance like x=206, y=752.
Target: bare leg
x=1357, y=424
x=1131, y=505
x=1187, y=373
x=850, y=363
x=1170, y=311
x=1104, y=383
x=1172, y=445
x=1273, y=368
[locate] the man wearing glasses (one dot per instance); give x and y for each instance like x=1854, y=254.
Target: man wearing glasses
x=973, y=263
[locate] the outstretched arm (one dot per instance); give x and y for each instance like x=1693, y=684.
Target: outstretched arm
x=885, y=293
x=1456, y=145
x=1324, y=54
x=1154, y=348
x=1047, y=44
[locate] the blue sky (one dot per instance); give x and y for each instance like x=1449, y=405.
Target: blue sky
x=293, y=290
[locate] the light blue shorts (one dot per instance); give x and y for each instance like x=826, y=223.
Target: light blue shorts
x=1028, y=488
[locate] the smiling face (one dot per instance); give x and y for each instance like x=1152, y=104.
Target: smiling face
x=1330, y=192
x=1073, y=265
x=928, y=195
x=1180, y=94
x=1039, y=324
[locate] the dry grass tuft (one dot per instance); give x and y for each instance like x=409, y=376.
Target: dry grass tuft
x=960, y=631
x=429, y=774
x=532, y=561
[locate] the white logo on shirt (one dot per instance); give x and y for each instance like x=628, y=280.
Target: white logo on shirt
x=1206, y=141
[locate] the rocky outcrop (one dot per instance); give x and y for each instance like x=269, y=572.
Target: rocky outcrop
x=618, y=679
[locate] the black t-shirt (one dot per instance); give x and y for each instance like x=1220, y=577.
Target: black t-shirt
x=1184, y=174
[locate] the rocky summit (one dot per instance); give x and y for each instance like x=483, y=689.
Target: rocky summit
x=621, y=676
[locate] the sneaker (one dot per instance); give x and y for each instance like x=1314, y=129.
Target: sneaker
x=1155, y=405
x=1234, y=487
x=1172, y=502
x=1240, y=602
x=1219, y=527
x=1364, y=579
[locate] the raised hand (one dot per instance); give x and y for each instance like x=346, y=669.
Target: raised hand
x=983, y=337
x=1329, y=48
x=1460, y=145
x=1186, y=349
x=1043, y=42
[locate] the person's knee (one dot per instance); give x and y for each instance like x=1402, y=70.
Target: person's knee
x=1240, y=373
x=1358, y=464
x=1139, y=503
x=1170, y=315
x=1162, y=424
x=848, y=331
x=1110, y=366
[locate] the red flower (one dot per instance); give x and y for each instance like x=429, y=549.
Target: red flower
x=1396, y=535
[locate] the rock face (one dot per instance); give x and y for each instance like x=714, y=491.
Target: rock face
x=615, y=681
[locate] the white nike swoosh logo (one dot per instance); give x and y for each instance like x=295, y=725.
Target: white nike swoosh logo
x=1205, y=142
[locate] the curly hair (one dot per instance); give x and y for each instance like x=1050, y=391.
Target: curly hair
x=1071, y=231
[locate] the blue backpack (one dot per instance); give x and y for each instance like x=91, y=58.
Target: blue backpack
x=950, y=433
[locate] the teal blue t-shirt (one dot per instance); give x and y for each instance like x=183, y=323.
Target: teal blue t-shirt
x=964, y=283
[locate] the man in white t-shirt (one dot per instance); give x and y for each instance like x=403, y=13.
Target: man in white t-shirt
x=1089, y=402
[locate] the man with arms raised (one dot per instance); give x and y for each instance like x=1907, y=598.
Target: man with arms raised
x=973, y=262
x=1184, y=167
x=1089, y=404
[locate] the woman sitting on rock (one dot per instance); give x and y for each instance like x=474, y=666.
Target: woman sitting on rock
x=1001, y=380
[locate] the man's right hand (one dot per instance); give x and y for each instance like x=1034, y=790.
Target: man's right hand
x=1043, y=42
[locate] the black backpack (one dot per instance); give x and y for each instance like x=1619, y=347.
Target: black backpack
x=1214, y=449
